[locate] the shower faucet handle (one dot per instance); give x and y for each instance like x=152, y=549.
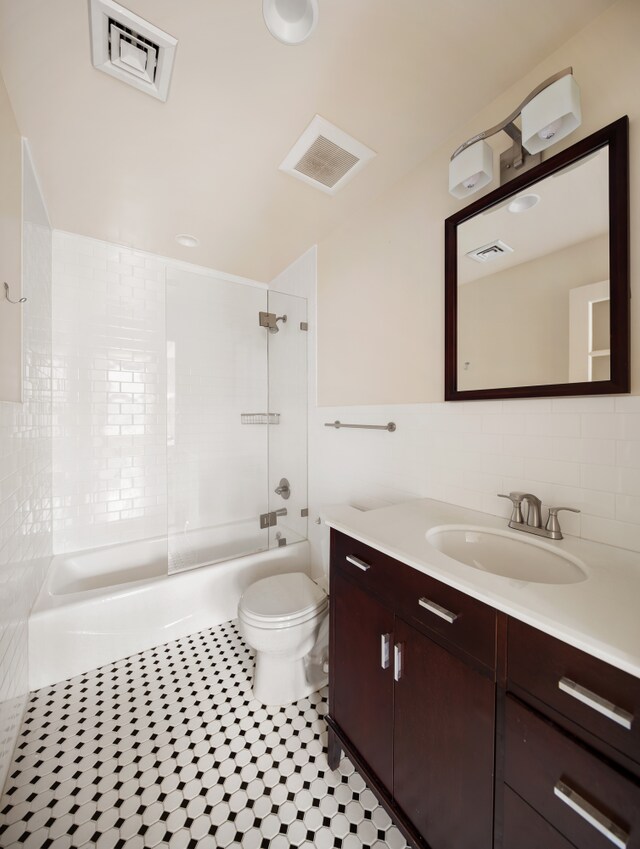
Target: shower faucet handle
x=283, y=488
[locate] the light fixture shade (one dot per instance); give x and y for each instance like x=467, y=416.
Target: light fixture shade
x=551, y=115
x=471, y=170
x=290, y=21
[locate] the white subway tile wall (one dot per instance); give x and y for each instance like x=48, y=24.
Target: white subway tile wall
x=25, y=476
x=582, y=453
x=109, y=394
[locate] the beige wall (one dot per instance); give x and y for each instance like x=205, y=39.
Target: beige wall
x=10, y=251
x=381, y=276
x=513, y=326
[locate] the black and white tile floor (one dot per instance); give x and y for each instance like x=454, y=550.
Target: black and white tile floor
x=168, y=749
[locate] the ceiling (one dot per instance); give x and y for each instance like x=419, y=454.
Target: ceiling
x=399, y=76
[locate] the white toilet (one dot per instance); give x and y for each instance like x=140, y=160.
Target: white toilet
x=280, y=618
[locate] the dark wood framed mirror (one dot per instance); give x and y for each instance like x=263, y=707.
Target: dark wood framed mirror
x=537, y=279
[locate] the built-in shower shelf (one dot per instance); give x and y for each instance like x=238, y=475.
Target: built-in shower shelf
x=260, y=418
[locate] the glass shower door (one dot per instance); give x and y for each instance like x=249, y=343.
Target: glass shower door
x=288, y=430
x=217, y=431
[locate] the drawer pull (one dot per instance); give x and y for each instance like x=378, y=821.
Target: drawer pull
x=591, y=815
x=596, y=702
x=385, y=640
x=434, y=608
x=397, y=661
x=355, y=561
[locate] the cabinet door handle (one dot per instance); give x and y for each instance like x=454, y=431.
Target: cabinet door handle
x=436, y=609
x=591, y=815
x=385, y=641
x=596, y=702
x=355, y=561
x=397, y=661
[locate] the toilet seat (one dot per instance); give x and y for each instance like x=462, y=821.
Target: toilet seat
x=281, y=601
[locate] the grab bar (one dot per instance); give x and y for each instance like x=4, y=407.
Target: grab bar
x=390, y=426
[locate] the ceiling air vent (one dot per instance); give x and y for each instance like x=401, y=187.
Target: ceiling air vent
x=326, y=157
x=130, y=48
x=487, y=253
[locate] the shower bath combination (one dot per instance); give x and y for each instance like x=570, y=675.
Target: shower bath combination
x=217, y=472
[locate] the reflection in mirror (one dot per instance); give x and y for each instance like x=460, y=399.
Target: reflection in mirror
x=533, y=283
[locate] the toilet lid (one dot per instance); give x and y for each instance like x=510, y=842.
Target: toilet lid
x=282, y=596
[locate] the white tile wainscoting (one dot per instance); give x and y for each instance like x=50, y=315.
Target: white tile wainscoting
x=582, y=452
x=25, y=460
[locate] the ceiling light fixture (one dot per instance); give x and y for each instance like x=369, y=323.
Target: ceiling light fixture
x=523, y=202
x=290, y=21
x=187, y=241
x=548, y=114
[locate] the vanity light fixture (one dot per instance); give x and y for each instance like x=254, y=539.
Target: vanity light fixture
x=548, y=114
x=290, y=21
x=187, y=241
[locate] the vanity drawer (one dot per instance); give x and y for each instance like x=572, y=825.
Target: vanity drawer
x=523, y=828
x=369, y=568
x=600, y=698
x=589, y=802
x=460, y=619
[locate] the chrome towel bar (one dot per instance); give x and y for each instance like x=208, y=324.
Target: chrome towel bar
x=390, y=426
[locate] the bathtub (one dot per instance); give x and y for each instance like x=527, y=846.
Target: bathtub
x=105, y=604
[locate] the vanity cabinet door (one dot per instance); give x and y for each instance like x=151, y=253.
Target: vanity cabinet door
x=443, y=744
x=361, y=692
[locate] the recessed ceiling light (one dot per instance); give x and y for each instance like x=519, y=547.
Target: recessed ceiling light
x=290, y=21
x=186, y=240
x=524, y=202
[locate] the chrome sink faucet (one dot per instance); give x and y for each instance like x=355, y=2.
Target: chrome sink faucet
x=533, y=523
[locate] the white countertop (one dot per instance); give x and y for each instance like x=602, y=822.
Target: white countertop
x=600, y=615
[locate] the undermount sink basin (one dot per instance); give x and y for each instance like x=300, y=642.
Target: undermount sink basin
x=507, y=553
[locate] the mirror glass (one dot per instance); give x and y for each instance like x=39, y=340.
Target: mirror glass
x=533, y=283
x=537, y=279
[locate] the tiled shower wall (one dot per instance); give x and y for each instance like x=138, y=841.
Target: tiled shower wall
x=109, y=396
x=112, y=324
x=25, y=460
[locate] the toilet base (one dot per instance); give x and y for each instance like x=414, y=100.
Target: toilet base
x=281, y=680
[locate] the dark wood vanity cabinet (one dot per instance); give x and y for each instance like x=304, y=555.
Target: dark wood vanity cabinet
x=571, y=753
x=474, y=729
x=412, y=695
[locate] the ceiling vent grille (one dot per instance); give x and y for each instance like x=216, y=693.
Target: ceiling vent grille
x=326, y=157
x=131, y=49
x=487, y=253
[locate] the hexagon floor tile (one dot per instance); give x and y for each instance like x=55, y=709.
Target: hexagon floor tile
x=168, y=748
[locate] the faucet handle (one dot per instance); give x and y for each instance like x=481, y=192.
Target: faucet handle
x=516, y=500
x=553, y=525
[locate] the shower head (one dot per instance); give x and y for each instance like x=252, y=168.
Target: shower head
x=273, y=328
x=270, y=321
